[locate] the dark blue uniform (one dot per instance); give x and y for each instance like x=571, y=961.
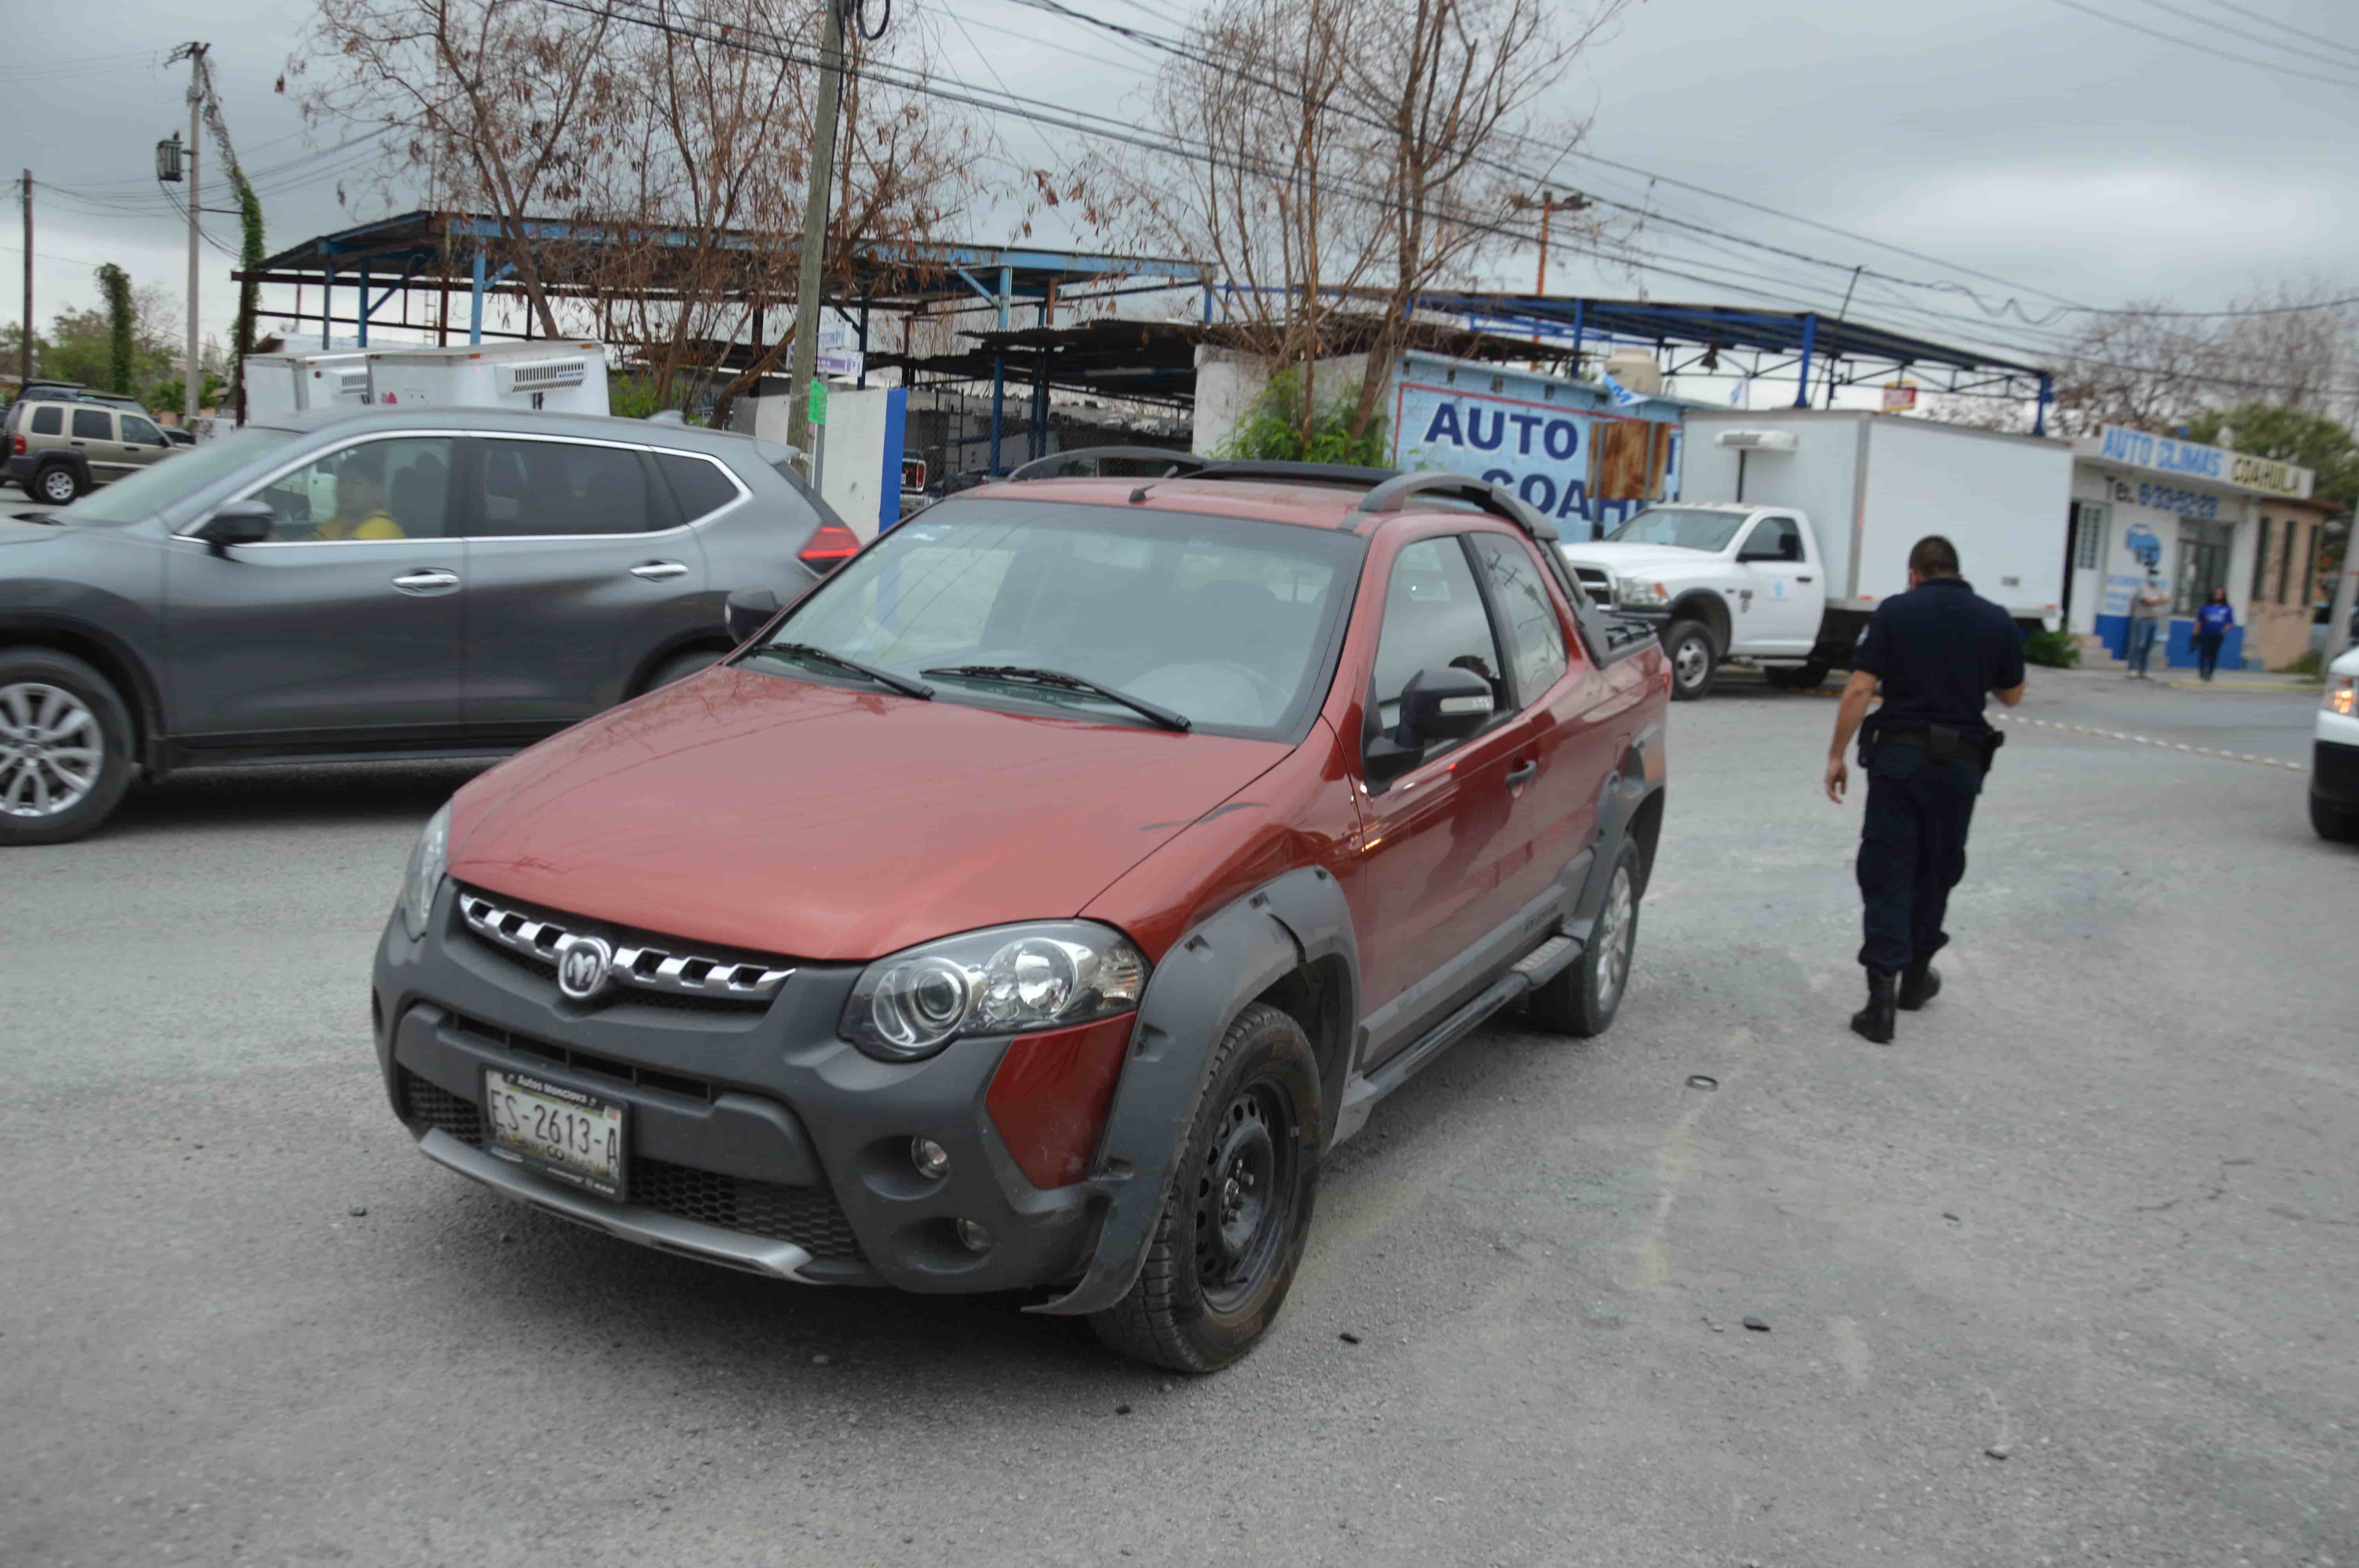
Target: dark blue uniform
x=1939, y=650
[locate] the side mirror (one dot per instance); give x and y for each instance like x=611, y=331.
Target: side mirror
x=750, y=610
x=247, y=522
x=1437, y=705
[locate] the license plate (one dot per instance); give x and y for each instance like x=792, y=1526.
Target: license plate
x=561, y=1132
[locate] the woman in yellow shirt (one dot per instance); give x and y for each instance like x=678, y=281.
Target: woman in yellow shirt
x=359, y=510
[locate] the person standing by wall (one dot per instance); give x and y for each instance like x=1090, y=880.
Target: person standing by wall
x=2212, y=624
x=1941, y=651
x=2149, y=604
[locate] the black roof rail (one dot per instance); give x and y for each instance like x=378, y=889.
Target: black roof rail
x=1393, y=495
x=1046, y=468
x=1304, y=473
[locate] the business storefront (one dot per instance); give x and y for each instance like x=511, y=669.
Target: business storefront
x=2198, y=515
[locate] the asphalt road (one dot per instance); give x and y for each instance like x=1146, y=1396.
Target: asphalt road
x=2097, y=1209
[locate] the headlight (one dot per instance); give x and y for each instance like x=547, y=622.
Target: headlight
x=423, y=880
x=1012, y=979
x=2342, y=694
x=1642, y=593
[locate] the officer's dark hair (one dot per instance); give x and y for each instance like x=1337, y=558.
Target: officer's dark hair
x=1934, y=556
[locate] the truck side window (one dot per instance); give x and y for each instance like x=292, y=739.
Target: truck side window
x=1535, y=635
x=1434, y=619
x=138, y=432
x=94, y=425
x=50, y=420
x=1775, y=539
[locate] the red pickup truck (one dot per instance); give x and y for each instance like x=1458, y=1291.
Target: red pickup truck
x=1034, y=903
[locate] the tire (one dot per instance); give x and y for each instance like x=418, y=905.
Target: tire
x=679, y=667
x=1581, y=1002
x=1210, y=1289
x=1695, y=664
x=57, y=484
x=65, y=747
x=2335, y=823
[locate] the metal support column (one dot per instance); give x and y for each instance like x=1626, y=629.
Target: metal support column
x=862, y=386
x=327, y=302
x=1802, y=381
x=476, y=306
x=1208, y=304
x=1579, y=327
x=2047, y=395
x=998, y=406
x=1037, y=442
x=365, y=304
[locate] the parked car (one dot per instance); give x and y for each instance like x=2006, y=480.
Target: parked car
x=2334, y=754
x=58, y=449
x=437, y=582
x=1038, y=901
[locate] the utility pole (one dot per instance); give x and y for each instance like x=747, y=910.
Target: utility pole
x=804, y=365
x=192, y=378
x=25, y=344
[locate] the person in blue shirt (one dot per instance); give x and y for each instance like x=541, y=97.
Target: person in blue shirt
x=2212, y=624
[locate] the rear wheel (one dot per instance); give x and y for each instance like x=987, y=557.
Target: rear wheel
x=2338, y=824
x=1238, y=1209
x=679, y=667
x=1694, y=662
x=57, y=484
x=1584, y=999
x=65, y=747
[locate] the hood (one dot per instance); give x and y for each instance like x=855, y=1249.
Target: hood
x=1638, y=560
x=758, y=811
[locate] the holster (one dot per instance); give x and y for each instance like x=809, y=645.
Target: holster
x=1991, y=741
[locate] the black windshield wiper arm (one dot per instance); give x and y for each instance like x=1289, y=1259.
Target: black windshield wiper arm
x=901, y=684
x=1025, y=675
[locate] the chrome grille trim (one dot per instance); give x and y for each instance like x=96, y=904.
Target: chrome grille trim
x=638, y=964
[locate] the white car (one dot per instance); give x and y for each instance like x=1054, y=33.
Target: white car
x=2334, y=756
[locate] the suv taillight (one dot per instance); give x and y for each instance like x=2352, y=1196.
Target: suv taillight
x=19, y=447
x=829, y=548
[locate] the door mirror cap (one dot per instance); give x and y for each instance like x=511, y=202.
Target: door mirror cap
x=750, y=610
x=245, y=522
x=1437, y=705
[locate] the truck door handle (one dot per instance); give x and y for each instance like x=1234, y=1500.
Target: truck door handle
x=1524, y=771
x=655, y=571
x=1802, y=577
x=434, y=580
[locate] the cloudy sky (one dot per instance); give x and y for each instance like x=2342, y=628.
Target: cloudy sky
x=2078, y=159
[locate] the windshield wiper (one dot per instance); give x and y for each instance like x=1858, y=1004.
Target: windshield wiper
x=901, y=684
x=1025, y=675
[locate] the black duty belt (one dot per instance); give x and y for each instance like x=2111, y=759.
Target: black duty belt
x=1944, y=744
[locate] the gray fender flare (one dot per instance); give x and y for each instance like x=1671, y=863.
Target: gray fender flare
x=1203, y=982
x=1637, y=776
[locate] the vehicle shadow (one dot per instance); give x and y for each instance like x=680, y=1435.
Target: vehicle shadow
x=355, y=793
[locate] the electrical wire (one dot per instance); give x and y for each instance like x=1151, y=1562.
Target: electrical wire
x=2348, y=49
x=2241, y=34
x=2204, y=48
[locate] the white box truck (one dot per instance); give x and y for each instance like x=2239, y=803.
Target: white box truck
x=1792, y=525
x=559, y=375
x=279, y=384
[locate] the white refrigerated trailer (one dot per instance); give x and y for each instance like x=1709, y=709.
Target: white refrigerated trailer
x=562, y=375
x=277, y=384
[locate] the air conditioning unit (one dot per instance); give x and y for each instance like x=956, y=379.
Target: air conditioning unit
x=1755, y=441
x=542, y=376
x=353, y=383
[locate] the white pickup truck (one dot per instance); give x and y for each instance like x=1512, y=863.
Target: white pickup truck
x=1804, y=523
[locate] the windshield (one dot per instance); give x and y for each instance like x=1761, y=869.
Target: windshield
x=172, y=479
x=1226, y=623
x=1691, y=528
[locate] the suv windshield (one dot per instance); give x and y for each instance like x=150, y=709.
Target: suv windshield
x=1689, y=528
x=151, y=490
x=1226, y=623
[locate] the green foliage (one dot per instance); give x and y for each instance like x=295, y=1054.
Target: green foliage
x=1273, y=428
x=2308, y=664
x=115, y=283
x=2053, y=650
x=2289, y=435
x=166, y=395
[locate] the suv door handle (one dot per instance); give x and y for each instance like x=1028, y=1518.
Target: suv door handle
x=433, y=580
x=1802, y=577
x=655, y=571
x=1524, y=771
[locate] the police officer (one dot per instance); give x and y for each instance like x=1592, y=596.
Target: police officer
x=1939, y=649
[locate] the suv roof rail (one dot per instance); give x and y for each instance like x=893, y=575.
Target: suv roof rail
x=1395, y=493
x=1046, y=468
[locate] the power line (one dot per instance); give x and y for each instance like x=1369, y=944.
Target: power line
x=2240, y=34
x=2285, y=27
x=2204, y=48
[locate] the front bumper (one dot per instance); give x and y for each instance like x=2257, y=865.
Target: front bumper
x=2334, y=773
x=759, y=1141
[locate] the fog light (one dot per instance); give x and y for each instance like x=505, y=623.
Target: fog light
x=974, y=1237
x=931, y=1159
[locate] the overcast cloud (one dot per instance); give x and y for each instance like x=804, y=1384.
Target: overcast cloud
x=2015, y=137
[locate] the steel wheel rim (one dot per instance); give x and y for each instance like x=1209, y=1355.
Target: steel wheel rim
x=1241, y=1209
x=57, y=485
x=1691, y=660
x=52, y=749
x=1616, y=926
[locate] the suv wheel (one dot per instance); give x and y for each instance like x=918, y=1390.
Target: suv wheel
x=1582, y=1000
x=2336, y=824
x=679, y=667
x=1238, y=1210
x=65, y=747
x=57, y=484
x=1688, y=644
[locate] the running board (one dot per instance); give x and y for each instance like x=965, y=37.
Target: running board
x=1535, y=970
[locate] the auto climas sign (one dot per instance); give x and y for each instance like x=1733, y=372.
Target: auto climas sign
x=1586, y=469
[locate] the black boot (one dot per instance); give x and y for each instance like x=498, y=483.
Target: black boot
x=1877, y=1019
x=1920, y=982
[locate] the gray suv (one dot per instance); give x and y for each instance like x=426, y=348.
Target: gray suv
x=359, y=583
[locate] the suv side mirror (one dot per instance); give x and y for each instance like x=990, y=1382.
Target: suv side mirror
x=247, y=522
x=1448, y=704
x=750, y=610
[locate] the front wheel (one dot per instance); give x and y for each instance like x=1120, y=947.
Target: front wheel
x=65, y=747
x=2336, y=824
x=1238, y=1209
x=1583, y=1000
x=1694, y=662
